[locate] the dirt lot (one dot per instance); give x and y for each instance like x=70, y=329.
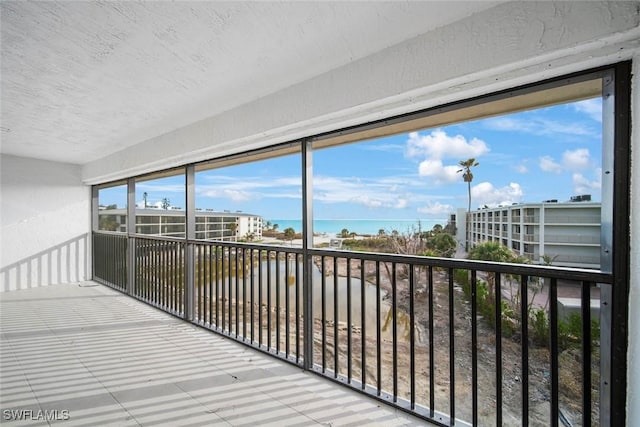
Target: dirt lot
x=539, y=368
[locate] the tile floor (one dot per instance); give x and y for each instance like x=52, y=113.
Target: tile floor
x=83, y=354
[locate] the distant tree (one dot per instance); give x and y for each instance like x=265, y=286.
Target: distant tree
x=467, y=175
x=267, y=225
x=233, y=227
x=381, y=232
x=109, y=207
x=344, y=233
x=165, y=203
x=437, y=229
x=493, y=251
x=274, y=227
x=442, y=244
x=144, y=199
x=289, y=233
x=108, y=223
x=249, y=237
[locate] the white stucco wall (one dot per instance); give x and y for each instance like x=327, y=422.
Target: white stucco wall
x=45, y=217
x=511, y=44
x=633, y=372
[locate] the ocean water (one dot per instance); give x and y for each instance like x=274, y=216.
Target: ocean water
x=359, y=226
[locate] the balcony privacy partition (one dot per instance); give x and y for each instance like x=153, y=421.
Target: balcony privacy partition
x=352, y=317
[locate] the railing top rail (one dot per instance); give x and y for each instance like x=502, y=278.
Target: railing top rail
x=566, y=273
x=111, y=233
x=154, y=237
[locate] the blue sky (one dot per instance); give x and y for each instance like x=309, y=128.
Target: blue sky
x=548, y=153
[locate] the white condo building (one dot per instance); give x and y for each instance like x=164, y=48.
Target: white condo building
x=210, y=224
x=568, y=232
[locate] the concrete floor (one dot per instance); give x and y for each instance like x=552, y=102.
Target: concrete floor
x=88, y=355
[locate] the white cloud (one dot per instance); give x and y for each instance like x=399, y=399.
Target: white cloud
x=547, y=164
x=582, y=185
x=521, y=168
x=373, y=193
x=576, y=160
x=436, y=208
x=572, y=160
x=248, y=188
x=439, y=145
x=401, y=203
x=486, y=194
x=590, y=107
x=367, y=201
x=440, y=173
x=537, y=126
x=228, y=193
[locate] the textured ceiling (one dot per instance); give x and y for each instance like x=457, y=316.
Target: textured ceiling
x=81, y=80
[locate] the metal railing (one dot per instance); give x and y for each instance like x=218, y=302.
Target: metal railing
x=448, y=340
x=110, y=264
x=160, y=272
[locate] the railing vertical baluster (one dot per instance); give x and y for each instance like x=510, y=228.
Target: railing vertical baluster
x=378, y=333
x=498, y=298
x=206, y=283
x=260, y=297
x=252, y=296
x=412, y=336
x=586, y=353
x=324, y=312
x=298, y=306
x=197, y=264
x=223, y=280
x=277, y=308
x=175, y=279
x=156, y=272
x=145, y=268
x=336, y=343
x=269, y=300
x=431, y=350
x=202, y=291
x=524, y=331
x=210, y=280
x=237, y=298
x=230, y=263
x=554, y=349
x=244, y=294
x=349, y=350
x=183, y=275
x=394, y=326
x=452, y=352
x=286, y=305
x=161, y=250
x=363, y=327
x=474, y=348
x=219, y=273
x=165, y=277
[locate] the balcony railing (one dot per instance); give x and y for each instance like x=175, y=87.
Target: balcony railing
x=445, y=339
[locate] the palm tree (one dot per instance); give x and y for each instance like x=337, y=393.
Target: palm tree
x=165, y=203
x=468, y=177
x=144, y=197
x=289, y=234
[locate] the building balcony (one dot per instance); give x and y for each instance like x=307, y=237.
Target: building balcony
x=85, y=354
x=391, y=327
